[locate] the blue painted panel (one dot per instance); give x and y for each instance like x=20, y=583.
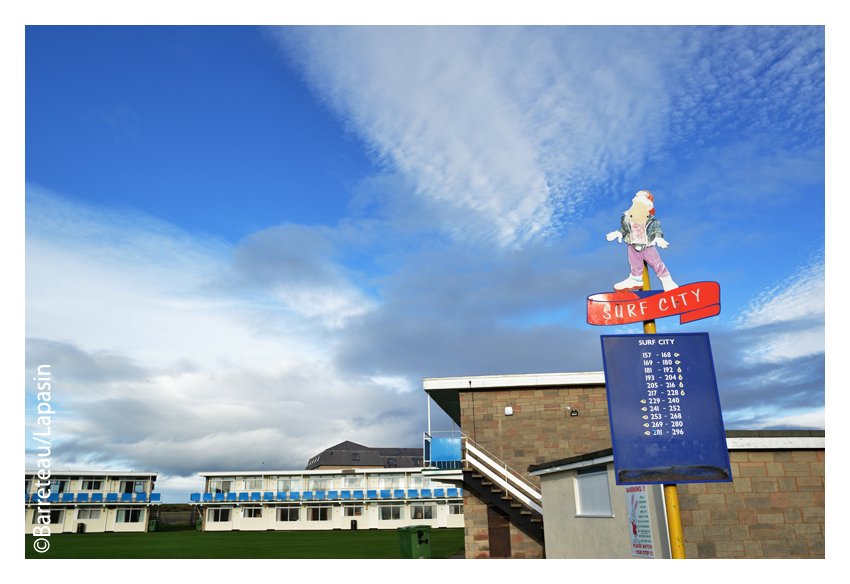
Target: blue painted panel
x=320, y=495
x=281, y=495
x=425, y=492
x=385, y=494
x=244, y=496
x=445, y=449
x=141, y=496
x=82, y=497
x=666, y=423
x=451, y=492
x=439, y=492
x=97, y=497
x=219, y=496
x=66, y=497
x=412, y=493
x=207, y=497
x=371, y=494
x=345, y=494
x=127, y=497
x=332, y=495
x=231, y=496
x=268, y=496
x=53, y=497
x=156, y=497
x=357, y=495
x=294, y=495
x=398, y=494
x=307, y=495
x=256, y=496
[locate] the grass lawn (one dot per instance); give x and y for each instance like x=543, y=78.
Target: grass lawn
x=242, y=544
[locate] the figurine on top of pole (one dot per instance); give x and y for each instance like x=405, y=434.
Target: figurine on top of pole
x=642, y=232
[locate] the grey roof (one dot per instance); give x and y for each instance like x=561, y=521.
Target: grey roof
x=342, y=455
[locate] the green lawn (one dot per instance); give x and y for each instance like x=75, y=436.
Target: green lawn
x=244, y=544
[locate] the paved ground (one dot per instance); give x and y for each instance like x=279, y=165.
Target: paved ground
x=458, y=556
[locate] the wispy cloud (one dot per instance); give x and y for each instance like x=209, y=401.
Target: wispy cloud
x=508, y=133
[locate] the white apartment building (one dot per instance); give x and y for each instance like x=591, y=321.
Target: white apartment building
x=327, y=499
x=90, y=501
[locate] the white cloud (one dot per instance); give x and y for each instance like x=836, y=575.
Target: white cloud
x=165, y=344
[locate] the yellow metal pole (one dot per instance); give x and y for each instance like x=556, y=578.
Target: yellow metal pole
x=671, y=493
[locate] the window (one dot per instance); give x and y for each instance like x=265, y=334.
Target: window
x=253, y=483
x=420, y=511
x=252, y=511
x=88, y=514
x=132, y=486
x=91, y=485
x=128, y=516
x=353, y=482
x=288, y=484
x=419, y=482
x=58, y=486
x=27, y=486
x=391, y=481
x=352, y=511
x=390, y=512
x=287, y=513
x=318, y=513
x=593, y=499
x=391, y=462
x=324, y=483
x=355, y=457
x=221, y=485
x=219, y=515
x=456, y=509
x=52, y=518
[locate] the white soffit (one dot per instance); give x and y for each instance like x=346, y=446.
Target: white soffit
x=777, y=443
x=526, y=380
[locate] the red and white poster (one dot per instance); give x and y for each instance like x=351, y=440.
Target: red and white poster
x=639, y=526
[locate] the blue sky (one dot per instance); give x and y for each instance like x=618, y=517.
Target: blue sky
x=244, y=245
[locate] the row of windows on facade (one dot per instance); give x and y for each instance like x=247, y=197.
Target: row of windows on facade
x=121, y=516
x=64, y=486
x=325, y=483
x=323, y=513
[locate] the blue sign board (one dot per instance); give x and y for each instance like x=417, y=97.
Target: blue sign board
x=666, y=425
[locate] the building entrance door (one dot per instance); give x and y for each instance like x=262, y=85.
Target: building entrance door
x=499, y=532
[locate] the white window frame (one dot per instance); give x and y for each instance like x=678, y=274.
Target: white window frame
x=393, y=509
x=423, y=506
x=126, y=515
x=395, y=480
x=64, y=486
x=288, y=511
x=327, y=508
x=251, y=483
x=593, y=480
x=417, y=481
x=215, y=488
x=289, y=480
x=139, y=486
x=358, y=480
x=353, y=509
x=252, y=512
x=91, y=480
x=60, y=513
x=455, y=508
x=88, y=512
x=213, y=510
x=325, y=483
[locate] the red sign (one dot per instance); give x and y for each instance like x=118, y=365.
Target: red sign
x=691, y=302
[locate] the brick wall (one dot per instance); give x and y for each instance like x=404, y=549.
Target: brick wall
x=476, y=533
x=540, y=429
x=774, y=507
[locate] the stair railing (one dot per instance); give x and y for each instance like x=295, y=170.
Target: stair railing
x=498, y=472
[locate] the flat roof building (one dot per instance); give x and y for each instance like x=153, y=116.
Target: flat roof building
x=90, y=501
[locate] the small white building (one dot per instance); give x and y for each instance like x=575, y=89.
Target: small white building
x=89, y=501
x=328, y=499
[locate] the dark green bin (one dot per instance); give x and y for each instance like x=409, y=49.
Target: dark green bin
x=415, y=542
x=152, y=525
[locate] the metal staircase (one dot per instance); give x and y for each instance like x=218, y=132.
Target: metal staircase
x=498, y=485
